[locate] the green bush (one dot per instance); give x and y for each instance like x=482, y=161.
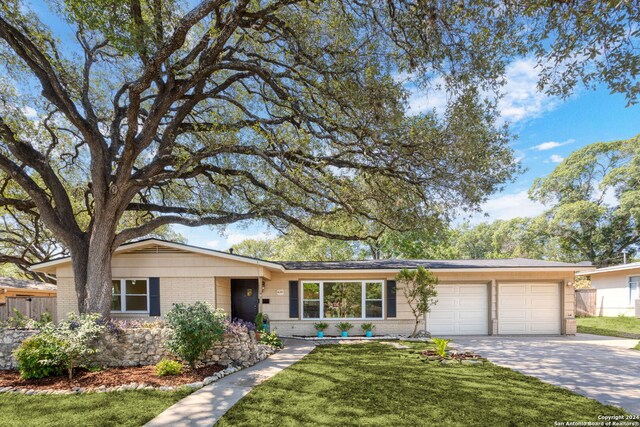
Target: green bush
x=38, y=357
x=168, y=367
x=194, y=328
x=271, y=338
x=61, y=347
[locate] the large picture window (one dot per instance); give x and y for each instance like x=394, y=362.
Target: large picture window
x=130, y=295
x=342, y=300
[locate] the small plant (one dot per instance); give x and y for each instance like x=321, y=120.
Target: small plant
x=194, y=328
x=45, y=318
x=441, y=346
x=271, y=338
x=168, y=367
x=320, y=326
x=368, y=327
x=38, y=357
x=344, y=326
x=259, y=322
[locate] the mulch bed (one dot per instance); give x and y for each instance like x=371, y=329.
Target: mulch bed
x=111, y=377
x=459, y=356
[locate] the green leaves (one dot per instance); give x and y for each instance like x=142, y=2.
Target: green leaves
x=593, y=194
x=419, y=288
x=194, y=328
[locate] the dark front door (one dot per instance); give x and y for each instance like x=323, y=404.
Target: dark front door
x=244, y=299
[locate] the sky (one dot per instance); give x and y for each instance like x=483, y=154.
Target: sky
x=546, y=129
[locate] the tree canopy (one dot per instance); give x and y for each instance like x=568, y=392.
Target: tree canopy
x=118, y=117
x=595, y=201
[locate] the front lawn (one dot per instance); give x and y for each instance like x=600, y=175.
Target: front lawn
x=127, y=408
x=625, y=327
x=377, y=385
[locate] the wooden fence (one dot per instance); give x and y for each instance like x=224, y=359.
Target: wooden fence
x=32, y=307
x=585, y=302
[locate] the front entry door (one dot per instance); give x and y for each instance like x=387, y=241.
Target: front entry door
x=244, y=299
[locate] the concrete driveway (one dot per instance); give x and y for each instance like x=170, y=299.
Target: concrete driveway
x=602, y=368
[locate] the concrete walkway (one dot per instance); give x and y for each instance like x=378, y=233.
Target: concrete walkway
x=602, y=368
x=207, y=405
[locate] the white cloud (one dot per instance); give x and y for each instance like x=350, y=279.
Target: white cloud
x=214, y=244
x=235, y=238
x=29, y=112
x=555, y=158
x=509, y=206
x=522, y=100
x=552, y=144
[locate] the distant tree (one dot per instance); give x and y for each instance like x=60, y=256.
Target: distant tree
x=594, y=195
x=296, y=245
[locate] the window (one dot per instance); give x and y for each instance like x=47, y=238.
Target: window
x=342, y=300
x=634, y=285
x=130, y=295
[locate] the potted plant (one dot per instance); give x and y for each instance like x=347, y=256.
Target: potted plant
x=259, y=325
x=344, y=328
x=368, y=329
x=320, y=327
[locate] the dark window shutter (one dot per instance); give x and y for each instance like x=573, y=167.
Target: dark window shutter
x=294, y=303
x=154, y=296
x=391, y=298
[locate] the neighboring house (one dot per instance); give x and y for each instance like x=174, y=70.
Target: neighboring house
x=617, y=289
x=11, y=287
x=475, y=297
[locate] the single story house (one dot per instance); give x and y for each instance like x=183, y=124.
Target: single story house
x=617, y=289
x=475, y=297
x=12, y=287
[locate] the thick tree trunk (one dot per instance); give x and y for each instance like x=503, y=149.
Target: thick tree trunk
x=79, y=262
x=98, y=280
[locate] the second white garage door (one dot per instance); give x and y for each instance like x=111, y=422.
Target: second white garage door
x=528, y=308
x=461, y=310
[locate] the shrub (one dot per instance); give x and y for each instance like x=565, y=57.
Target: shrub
x=238, y=326
x=320, y=326
x=38, y=357
x=441, y=346
x=259, y=321
x=194, y=328
x=271, y=338
x=61, y=347
x=168, y=367
x=344, y=326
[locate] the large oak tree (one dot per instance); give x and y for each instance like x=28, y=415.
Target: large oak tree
x=155, y=112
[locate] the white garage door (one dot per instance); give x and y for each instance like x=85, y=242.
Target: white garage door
x=461, y=310
x=528, y=308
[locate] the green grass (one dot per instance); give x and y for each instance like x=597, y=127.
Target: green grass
x=127, y=408
x=376, y=385
x=625, y=327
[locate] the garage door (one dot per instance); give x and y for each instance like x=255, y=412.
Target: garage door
x=528, y=308
x=461, y=310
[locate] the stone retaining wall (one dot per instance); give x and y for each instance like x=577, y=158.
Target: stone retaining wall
x=145, y=346
x=10, y=339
